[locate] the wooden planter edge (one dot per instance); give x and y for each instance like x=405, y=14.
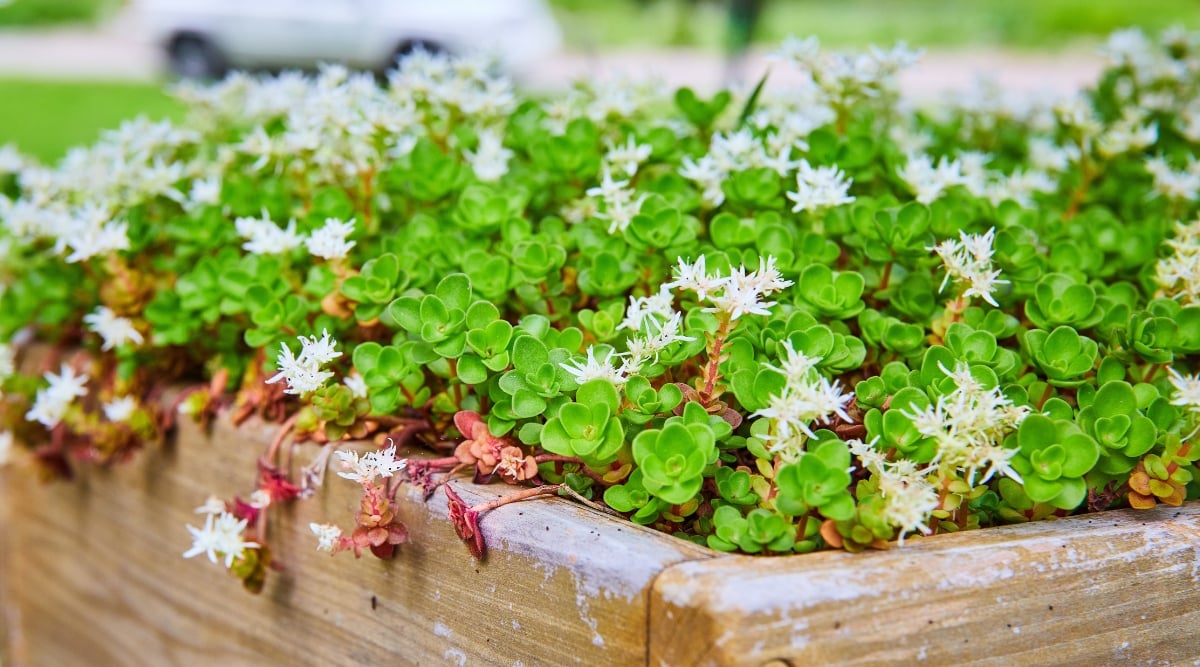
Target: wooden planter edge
x=563, y=584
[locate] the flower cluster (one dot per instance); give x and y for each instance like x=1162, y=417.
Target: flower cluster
x=620, y=202
x=377, y=527
x=1178, y=273
x=223, y=535
x=365, y=469
x=968, y=261
x=910, y=498
x=969, y=425
x=740, y=292
x=115, y=330
x=818, y=188
x=808, y=397
x=52, y=402
x=848, y=77
x=303, y=373
x=654, y=325
x=264, y=237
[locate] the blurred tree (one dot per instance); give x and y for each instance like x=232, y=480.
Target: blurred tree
x=744, y=18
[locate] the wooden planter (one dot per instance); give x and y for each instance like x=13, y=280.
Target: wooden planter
x=92, y=575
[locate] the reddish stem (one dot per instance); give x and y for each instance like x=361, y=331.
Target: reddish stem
x=886, y=277
x=1152, y=372
x=556, y=458
x=712, y=371
x=284, y=430
x=1183, y=451
x=583, y=468
x=1077, y=197
x=543, y=490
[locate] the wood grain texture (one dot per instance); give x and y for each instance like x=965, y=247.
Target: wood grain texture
x=1114, y=588
x=92, y=575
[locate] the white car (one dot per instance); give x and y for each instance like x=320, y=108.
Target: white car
x=204, y=38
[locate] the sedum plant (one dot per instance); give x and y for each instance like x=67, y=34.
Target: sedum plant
x=771, y=323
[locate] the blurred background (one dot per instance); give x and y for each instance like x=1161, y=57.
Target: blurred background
x=71, y=67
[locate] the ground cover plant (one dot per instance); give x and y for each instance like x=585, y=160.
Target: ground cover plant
x=767, y=321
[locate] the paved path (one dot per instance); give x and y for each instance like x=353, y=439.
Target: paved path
x=118, y=49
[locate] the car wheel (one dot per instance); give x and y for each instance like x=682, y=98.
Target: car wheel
x=193, y=57
x=411, y=46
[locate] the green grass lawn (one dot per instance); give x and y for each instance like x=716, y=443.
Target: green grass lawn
x=45, y=118
x=48, y=12
x=1025, y=24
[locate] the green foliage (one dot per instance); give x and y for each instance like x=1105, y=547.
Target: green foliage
x=1063, y=355
x=589, y=428
x=673, y=459
x=1054, y=457
x=765, y=326
x=818, y=481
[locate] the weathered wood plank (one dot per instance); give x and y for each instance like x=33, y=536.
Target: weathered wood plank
x=92, y=574
x=1118, y=587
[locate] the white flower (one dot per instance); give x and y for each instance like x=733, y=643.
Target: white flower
x=738, y=299
x=595, y=369
x=264, y=237
x=204, y=540
x=52, y=402
x=767, y=278
x=303, y=373
x=222, y=535
x=1187, y=390
x=320, y=351
x=1174, y=185
x=115, y=331
x=364, y=469
x=212, y=505
x=640, y=308
x=490, y=159
x=796, y=365
x=970, y=425
x=818, y=188
x=1178, y=273
x=629, y=156
x=121, y=409
x=694, y=276
x=807, y=397
x=87, y=241
x=205, y=192
x=608, y=189
x=705, y=173
x=8, y=363
x=329, y=242
x=259, y=499
x=927, y=181
x=618, y=198
x=1046, y=155
x=1129, y=133
x=969, y=261
x=736, y=294
x=11, y=160
x=327, y=535
x=910, y=500
x=357, y=384
x=231, y=537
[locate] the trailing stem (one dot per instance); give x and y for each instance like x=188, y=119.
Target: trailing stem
x=711, y=371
